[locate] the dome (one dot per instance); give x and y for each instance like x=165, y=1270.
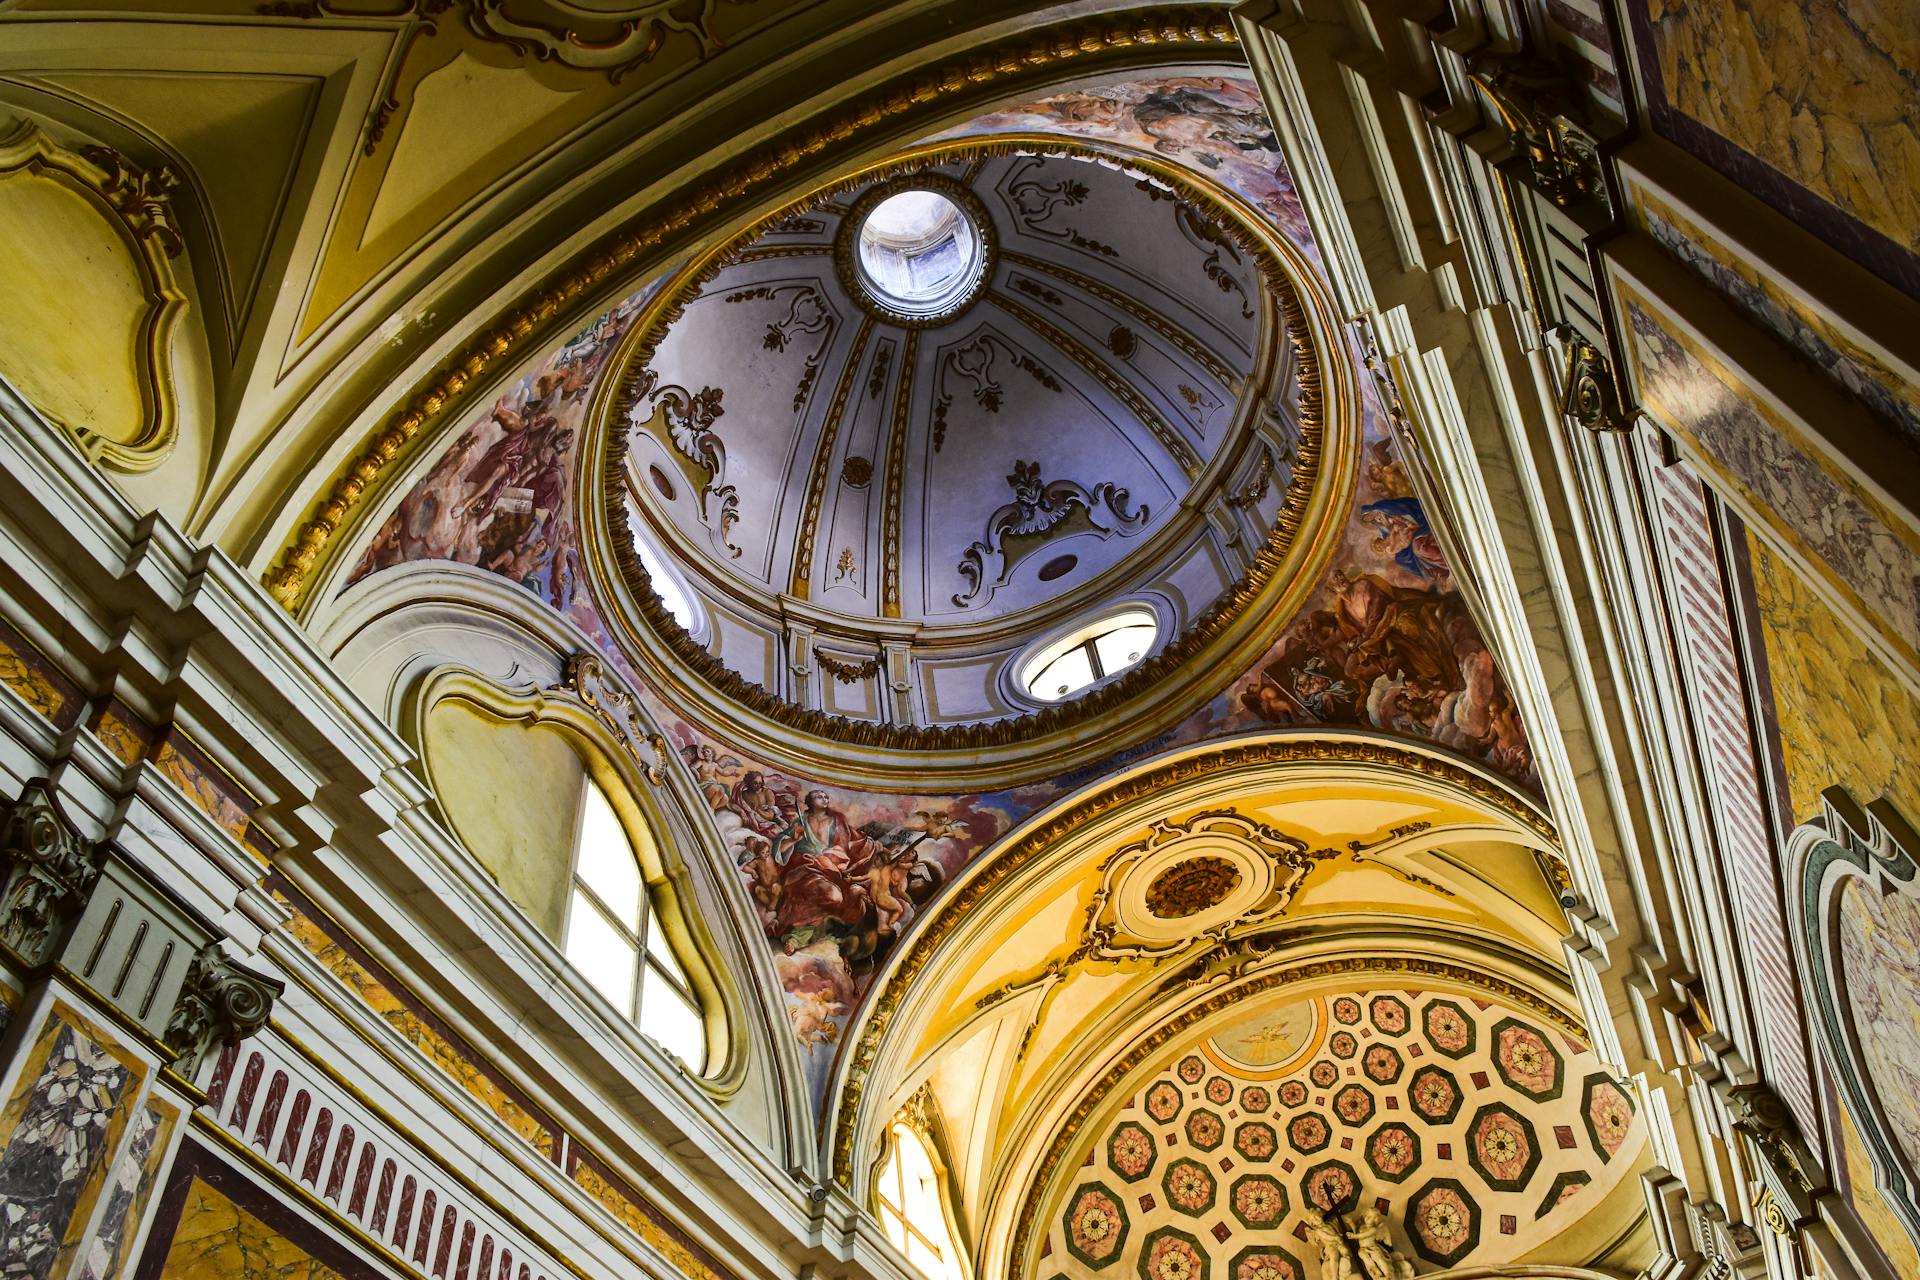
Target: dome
x=921, y=432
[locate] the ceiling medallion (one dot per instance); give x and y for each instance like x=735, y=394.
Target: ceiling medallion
x=916, y=250
x=1190, y=887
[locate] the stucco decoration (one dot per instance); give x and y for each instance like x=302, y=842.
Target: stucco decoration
x=1358, y=1174
x=86, y=248
x=1857, y=927
x=839, y=869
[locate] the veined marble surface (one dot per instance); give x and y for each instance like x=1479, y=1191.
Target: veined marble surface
x=1821, y=91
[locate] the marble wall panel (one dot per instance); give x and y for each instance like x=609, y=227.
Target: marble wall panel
x=58, y=1132
x=627, y=1205
x=1888, y=391
x=1840, y=716
x=1834, y=716
x=277, y=1113
x=214, y=1224
x=187, y=765
x=1810, y=106
x=128, y=1188
x=38, y=682
x=415, y=1024
x=1772, y=472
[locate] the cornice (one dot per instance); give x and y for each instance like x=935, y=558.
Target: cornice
x=908, y=102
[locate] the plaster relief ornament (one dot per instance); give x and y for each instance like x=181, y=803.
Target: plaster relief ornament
x=683, y=420
x=1187, y=888
x=594, y=35
x=1040, y=513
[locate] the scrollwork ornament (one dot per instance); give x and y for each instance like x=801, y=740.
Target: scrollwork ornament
x=605, y=36
x=49, y=873
x=1539, y=109
x=1590, y=397
x=586, y=677
x=1759, y=1114
x=219, y=1004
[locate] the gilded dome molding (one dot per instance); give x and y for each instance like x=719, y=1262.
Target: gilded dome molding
x=903, y=105
x=1227, y=634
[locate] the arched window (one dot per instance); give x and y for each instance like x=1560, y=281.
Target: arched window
x=612, y=938
x=1093, y=653
x=913, y=1210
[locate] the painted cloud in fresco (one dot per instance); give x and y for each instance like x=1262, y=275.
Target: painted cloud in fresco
x=836, y=875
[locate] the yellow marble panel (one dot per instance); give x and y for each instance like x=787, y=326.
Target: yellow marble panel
x=1872, y=1207
x=1820, y=90
x=34, y=678
x=449, y=1057
x=640, y=1221
x=1843, y=719
x=216, y=1239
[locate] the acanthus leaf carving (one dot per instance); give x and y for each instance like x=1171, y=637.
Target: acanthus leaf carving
x=586, y=677
x=1040, y=513
x=683, y=420
x=1537, y=105
x=49, y=873
x=219, y=1004
x=1590, y=396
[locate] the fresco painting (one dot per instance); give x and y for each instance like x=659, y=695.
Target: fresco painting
x=836, y=875
x=1214, y=125
x=501, y=496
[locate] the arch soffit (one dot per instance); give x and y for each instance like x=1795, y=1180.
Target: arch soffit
x=888, y=1042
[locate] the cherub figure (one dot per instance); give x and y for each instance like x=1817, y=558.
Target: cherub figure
x=1366, y=1230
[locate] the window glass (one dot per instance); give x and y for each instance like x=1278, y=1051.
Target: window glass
x=1098, y=651
x=1122, y=647
x=666, y=586
x=669, y=1017
x=912, y=1212
x=606, y=920
x=1068, y=673
x=601, y=953
x=606, y=860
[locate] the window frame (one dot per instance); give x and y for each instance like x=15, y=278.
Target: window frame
x=1085, y=636
x=917, y=1121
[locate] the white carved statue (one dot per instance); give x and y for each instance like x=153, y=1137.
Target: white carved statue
x=1366, y=1230
x=1336, y=1260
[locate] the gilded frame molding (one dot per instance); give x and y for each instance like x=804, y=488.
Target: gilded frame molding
x=135, y=203
x=1081, y=46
